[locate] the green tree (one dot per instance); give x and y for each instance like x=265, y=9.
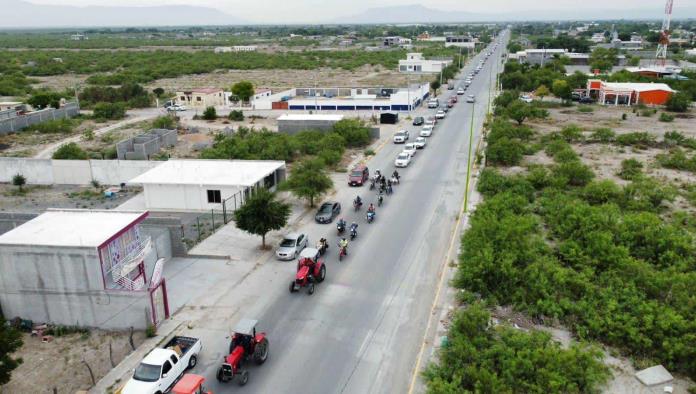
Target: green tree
x=44, y=100
x=164, y=122
x=70, y=151
x=262, y=213
x=435, y=85
x=210, y=113
x=562, y=90
x=542, y=91
x=109, y=111
x=10, y=341
x=519, y=111
x=243, y=89
x=678, y=102
x=634, y=61
x=603, y=59
x=353, y=131
x=309, y=180
x=236, y=115
x=158, y=92
x=19, y=180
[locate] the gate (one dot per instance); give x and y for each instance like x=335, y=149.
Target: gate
x=159, y=304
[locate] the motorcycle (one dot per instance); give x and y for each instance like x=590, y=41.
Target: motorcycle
x=340, y=228
x=322, y=247
x=380, y=200
x=342, y=252
x=389, y=190
x=353, y=232
x=372, y=184
x=394, y=180
x=357, y=204
x=370, y=216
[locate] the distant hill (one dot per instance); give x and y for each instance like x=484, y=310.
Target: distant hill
x=417, y=13
x=23, y=14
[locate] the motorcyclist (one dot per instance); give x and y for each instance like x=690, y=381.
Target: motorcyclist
x=354, y=228
x=380, y=199
x=343, y=244
x=322, y=245
x=357, y=201
x=395, y=174
x=389, y=189
x=371, y=208
x=341, y=223
x=389, y=182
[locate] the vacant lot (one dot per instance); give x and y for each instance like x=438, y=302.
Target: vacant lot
x=38, y=198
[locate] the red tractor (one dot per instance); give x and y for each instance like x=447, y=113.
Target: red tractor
x=310, y=270
x=245, y=345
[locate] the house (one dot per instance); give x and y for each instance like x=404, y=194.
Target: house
x=86, y=268
x=629, y=93
x=417, y=64
x=396, y=41
x=236, y=49
x=294, y=123
x=201, y=97
x=460, y=42
x=202, y=185
x=598, y=38
x=655, y=71
x=539, y=56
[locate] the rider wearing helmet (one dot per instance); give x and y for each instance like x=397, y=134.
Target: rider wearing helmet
x=371, y=208
x=343, y=244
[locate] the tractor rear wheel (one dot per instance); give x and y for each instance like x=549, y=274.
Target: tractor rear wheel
x=261, y=352
x=243, y=378
x=310, y=291
x=322, y=273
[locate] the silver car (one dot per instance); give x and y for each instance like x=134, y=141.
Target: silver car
x=291, y=246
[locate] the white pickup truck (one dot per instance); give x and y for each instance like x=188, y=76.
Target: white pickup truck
x=163, y=367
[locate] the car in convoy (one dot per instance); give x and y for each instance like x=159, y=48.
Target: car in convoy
x=359, y=175
x=401, y=136
x=327, y=212
x=470, y=98
x=160, y=370
x=411, y=149
x=420, y=142
x=402, y=160
x=433, y=103
x=450, y=104
x=418, y=120
x=444, y=108
x=454, y=99
x=426, y=131
x=431, y=120
x=460, y=92
x=440, y=114
x=291, y=245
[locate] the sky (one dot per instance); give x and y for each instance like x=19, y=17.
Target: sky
x=316, y=11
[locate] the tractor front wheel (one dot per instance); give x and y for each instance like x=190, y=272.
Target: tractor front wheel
x=243, y=378
x=218, y=375
x=261, y=352
x=322, y=273
x=310, y=291
x=292, y=286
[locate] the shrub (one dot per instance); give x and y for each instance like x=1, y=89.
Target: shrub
x=574, y=173
x=70, y=151
x=646, y=195
x=572, y=133
x=646, y=113
x=624, y=116
x=505, y=151
x=150, y=331
x=164, y=122
x=236, y=115
x=585, y=109
x=601, y=192
x=630, y=169
x=19, y=180
x=603, y=135
x=210, y=113
x=678, y=102
x=56, y=126
x=109, y=111
x=561, y=151
x=539, y=177
x=677, y=160
x=369, y=152
x=665, y=117
x=640, y=140
x=492, y=183
x=353, y=131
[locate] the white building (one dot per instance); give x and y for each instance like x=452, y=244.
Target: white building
x=236, y=49
x=417, y=64
x=460, y=42
x=396, y=41
x=598, y=38
x=538, y=56
x=202, y=185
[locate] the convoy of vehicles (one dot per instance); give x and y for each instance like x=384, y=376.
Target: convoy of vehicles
x=245, y=345
x=291, y=246
x=400, y=137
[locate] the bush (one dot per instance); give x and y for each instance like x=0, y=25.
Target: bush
x=603, y=135
x=678, y=102
x=109, y=111
x=505, y=152
x=677, y=160
x=70, y=151
x=665, y=117
x=624, y=116
x=353, y=131
x=572, y=133
x=164, y=122
x=647, y=113
x=601, y=192
x=573, y=173
x=236, y=115
x=630, y=169
x=585, y=109
x=57, y=126
x=210, y=113
x=642, y=140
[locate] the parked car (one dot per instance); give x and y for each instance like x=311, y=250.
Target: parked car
x=433, y=103
x=291, y=246
x=420, y=142
x=176, y=108
x=440, y=114
x=426, y=131
x=159, y=371
x=402, y=160
x=575, y=96
x=400, y=137
x=470, y=98
x=460, y=91
x=327, y=212
x=411, y=149
x=526, y=98
x=358, y=175
x=418, y=120
x=586, y=100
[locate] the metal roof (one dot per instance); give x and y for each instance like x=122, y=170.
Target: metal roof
x=71, y=228
x=209, y=172
x=636, y=87
x=246, y=326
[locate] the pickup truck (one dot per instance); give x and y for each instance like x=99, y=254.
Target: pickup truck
x=163, y=367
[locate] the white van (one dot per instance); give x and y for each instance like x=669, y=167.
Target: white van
x=433, y=103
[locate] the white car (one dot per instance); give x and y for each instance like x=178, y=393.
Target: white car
x=402, y=160
x=291, y=246
x=440, y=114
x=460, y=92
x=411, y=149
x=400, y=137
x=176, y=108
x=427, y=131
x=526, y=98
x=420, y=142
x=470, y=98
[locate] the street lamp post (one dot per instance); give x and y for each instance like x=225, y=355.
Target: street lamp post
x=468, y=159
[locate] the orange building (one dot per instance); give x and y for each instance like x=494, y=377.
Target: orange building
x=617, y=93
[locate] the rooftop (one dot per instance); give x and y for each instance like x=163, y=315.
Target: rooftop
x=204, y=90
x=209, y=172
x=637, y=87
x=76, y=228
x=310, y=117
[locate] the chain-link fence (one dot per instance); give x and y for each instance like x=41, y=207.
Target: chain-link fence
x=197, y=227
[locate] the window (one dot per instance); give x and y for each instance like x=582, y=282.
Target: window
x=166, y=367
x=183, y=98
x=198, y=98
x=174, y=359
x=214, y=197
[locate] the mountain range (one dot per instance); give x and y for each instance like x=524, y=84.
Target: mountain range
x=23, y=14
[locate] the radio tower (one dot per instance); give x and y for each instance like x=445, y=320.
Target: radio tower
x=663, y=43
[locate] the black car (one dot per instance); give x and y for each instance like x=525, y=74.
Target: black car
x=327, y=212
x=586, y=100
x=418, y=121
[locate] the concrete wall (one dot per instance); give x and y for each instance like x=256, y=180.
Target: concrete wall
x=72, y=172
x=184, y=198
x=15, y=124
x=10, y=220
x=143, y=146
x=156, y=226
x=292, y=126
x=64, y=286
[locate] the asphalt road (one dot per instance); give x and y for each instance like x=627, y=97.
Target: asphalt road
x=362, y=329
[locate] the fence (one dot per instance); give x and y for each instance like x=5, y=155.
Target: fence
x=196, y=228
x=17, y=123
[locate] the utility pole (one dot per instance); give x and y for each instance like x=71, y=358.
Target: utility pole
x=468, y=159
